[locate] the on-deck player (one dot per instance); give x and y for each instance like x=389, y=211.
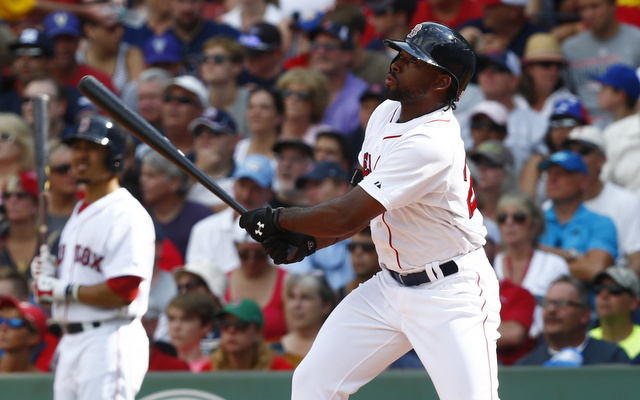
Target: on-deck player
x=437, y=292
x=101, y=288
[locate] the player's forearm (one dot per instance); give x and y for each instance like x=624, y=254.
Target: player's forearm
x=337, y=218
x=100, y=295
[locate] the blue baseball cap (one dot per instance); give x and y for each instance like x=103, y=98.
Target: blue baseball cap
x=621, y=77
x=568, y=160
x=162, y=49
x=570, y=107
x=261, y=38
x=216, y=119
x=322, y=171
x=257, y=168
x=62, y=23
x=338, y=31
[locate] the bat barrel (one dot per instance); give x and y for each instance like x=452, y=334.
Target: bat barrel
x=143, y=130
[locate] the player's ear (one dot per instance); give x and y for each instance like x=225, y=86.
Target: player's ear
x=443, y=82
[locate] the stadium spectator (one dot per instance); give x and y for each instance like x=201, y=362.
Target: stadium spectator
x=150, y=95
x=212, y=238
x=16, y=146
x=215, y=138
x=221, y=64
x=164, y=190
x=586, y=240
x=247, y=13
x=22, y=329
x=294, y=159
x=607, y=198
x=306, y=96
x=566, y=115
x=63, y=189
x=308, y=301
x=392, y=20
x=332, y=146
x=617, y=297
x=605, y=42
x=516, y=318
x=243, y=347
x=264, y=117
x=488, y=122
x=64, y=29
x=567, y=314
x=619, y=92
x=191, y=317
x=541, y=84
x=521, y=261
x=263, y=66
x=363, y=258
x=332, y=55
x=261, y=281
x=45, y=84
x=158, y=21
x=327, y=180
x=163, y=51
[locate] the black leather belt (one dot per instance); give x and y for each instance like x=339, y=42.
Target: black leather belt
x=419, y=278
x=77, y=327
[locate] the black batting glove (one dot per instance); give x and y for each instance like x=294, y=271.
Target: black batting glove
x=261, y=223
x=289, y=247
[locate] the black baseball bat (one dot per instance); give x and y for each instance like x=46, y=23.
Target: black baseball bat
x=41, y=137
x=143, y=130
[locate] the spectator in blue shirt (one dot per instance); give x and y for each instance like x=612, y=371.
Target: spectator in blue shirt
x=585, y=239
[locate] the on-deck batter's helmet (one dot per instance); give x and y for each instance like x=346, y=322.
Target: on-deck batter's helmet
x=442, y=47
x=106, y=132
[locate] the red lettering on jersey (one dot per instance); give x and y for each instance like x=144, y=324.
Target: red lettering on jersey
x=60, y=253
x=88, y=258
x=366, y=164
x=472, y=202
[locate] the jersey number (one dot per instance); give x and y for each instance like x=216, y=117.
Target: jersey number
x=472, y=202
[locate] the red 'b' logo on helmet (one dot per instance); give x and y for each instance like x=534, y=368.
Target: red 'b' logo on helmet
x=414, y=31
x=84, y=125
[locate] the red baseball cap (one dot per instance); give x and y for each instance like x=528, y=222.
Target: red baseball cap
x=31, y=313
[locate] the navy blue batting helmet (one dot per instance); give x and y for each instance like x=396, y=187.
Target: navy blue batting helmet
x=103, y=131
x=442, y=47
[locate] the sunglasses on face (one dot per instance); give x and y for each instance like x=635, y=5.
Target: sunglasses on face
x=563, y=123
x=13, y=322
x=187, y=287
x=216, y=58
x=300, y=95
x=324, y=46
x=613, y=289
x=486, y=162
x=60, y=169
x=19, y=195
x=7, y=137
x=239, y=326
x=366, y=246
x=33, y=52
x=549, y=64
x=517, y=217
x=180, y=99
x=580, y=149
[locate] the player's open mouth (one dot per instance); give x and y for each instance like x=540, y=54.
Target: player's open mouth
x=389, y=80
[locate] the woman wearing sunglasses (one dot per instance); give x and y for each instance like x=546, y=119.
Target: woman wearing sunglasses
x=306, y=96
x=261, y=281
x=20, y=235
x=22, y=329
x=63, y=186
x=16, y=146
x=521, y=223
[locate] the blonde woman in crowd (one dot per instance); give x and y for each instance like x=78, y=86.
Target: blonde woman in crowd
x=306, y=96
x=16, y=146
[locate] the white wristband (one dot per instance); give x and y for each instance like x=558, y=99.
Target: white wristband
x=71, y=292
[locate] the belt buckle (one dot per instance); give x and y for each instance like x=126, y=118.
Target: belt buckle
x=401, y=277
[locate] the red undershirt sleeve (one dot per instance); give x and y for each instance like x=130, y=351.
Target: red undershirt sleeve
x=125, y=286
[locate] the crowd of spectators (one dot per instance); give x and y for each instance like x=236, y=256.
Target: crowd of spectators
x=271, y=100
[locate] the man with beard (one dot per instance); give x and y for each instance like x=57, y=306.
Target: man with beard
x=192, y=30
x=436, y=292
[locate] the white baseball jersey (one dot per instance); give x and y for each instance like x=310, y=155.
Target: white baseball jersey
x=417, y=170
x=111, y=237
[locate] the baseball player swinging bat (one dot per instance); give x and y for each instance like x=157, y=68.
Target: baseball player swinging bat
x=143, y=130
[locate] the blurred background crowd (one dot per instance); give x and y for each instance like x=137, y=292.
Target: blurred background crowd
x=271, y=98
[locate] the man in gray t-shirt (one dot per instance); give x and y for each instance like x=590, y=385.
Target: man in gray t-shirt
x=605, y=42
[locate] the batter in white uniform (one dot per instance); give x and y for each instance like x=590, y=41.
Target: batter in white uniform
x=437, y=292
x=101, y=288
